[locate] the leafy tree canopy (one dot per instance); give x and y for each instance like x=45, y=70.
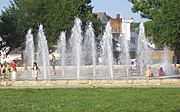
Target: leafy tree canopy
x=55, y=15
x=164, y=20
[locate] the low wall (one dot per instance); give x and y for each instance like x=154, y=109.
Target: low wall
x=92, y=83
x=155, y=54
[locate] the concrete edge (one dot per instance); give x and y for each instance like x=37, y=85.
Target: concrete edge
x=91, y=83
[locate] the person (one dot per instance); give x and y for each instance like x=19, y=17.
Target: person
x=3, y=72
x=5, y=64
x=9, y=71
x=25, y=67
x=36, y=70
x=13, y=65
x=0, y=70
x=53, y=63
x=161, y=72
x=149, y=72
x=14, y=70
x=100, y=60
x=176, y=70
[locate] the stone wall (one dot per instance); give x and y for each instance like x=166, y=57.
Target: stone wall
x=157, y=55
x=93, y=83
x=154, y=54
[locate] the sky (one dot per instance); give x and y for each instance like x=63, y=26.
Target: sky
x=3, y=3
x=111, y=7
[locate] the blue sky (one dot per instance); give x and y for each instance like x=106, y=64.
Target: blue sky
x=111, y=7
x=3, y=3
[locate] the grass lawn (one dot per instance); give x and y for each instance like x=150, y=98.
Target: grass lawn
x=90, y=100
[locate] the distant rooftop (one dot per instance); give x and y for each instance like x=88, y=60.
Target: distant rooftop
x=100, y=15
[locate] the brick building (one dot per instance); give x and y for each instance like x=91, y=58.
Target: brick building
x=116, y=24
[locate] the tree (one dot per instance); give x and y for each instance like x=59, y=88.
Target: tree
x=164, y=22
x=55, y=15
x=8, y=27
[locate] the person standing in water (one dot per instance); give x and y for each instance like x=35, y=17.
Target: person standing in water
x=176, y=70
x=25, y=67
x=3, y=72
x=9, y=71
x=14, y=70
x=53, y=63
x=36, y=70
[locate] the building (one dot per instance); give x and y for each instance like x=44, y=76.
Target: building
x=133, y=38
x=116, y=24
x=123, y=26
x=104, y=18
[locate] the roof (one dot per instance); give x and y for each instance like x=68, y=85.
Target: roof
x=100, y=15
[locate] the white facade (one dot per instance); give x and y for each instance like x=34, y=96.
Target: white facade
x=130, y=35
x=126, y=28
x=134, y=39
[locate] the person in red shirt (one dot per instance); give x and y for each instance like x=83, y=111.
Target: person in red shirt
x=13, y=74
x=14, y=65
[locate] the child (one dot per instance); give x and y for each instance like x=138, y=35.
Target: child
x=36, y=70
x=25, y=67
x=9, y=71
x=3, y=72
x=161, y=72
x=149, y=72
x=176, y=70
x=14, y=70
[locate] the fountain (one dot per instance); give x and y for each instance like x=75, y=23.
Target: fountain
x=107, y=54
x=142, y=50
x=165, y=62
x=78, y=56
x=76, y=45
x=61, y=49
x=29, y=50
x=124, y=53
x=43, y=53
x=89, y=48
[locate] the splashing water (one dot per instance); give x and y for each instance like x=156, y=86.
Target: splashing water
x=165, y=62
x=76, y=45
x=43, y=53
x=107, y=54
x=124, y=54
x=61, y=49
x=142, y=50
x=89, y=47
x=29, y=50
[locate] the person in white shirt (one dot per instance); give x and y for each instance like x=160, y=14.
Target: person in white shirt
x=36, y=70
